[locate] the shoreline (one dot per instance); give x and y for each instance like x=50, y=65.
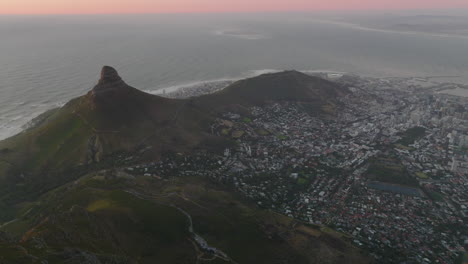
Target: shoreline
x=188, y=89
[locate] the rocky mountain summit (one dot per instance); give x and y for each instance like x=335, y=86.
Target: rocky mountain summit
x=110, y=80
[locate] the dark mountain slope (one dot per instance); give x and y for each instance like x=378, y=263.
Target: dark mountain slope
x=123, y=220
x=113, y=117
x=293, y=86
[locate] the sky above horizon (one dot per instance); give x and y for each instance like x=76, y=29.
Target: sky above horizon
x=212, y=6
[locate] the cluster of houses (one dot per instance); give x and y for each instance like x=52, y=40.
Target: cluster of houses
x=316, y=168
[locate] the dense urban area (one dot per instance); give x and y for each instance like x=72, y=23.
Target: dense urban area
x=388, y=170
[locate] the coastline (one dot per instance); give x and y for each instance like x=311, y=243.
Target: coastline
x=188, y=89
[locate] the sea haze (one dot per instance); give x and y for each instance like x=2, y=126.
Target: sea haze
x=47, y=60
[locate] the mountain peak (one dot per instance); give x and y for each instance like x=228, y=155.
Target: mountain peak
x=291, y=85
x=110, y=80
x=109, y=75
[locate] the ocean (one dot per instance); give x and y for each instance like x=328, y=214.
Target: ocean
x=47, y=60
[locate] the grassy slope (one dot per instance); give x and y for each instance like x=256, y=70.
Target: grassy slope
x=53, y=146
x=49, y=154
x=411, y=135
x=95, y=215
x=390, y=170
x=123, y=225
x=31, y=151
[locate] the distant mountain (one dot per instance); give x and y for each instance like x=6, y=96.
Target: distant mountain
x=293, y=86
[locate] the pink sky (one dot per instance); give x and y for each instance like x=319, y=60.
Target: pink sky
x=185, y=6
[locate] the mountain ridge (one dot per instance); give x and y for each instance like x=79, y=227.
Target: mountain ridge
x=114, y=117
x=291, y=85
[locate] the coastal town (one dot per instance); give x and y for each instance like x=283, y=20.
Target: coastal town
x=387, y=167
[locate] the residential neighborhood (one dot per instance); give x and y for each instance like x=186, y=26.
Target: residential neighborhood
x=388, y=168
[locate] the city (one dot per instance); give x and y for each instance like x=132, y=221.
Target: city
x=390, y=172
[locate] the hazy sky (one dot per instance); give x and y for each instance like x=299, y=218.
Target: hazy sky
x=183, y=6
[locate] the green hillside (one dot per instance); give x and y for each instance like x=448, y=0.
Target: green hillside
x=112, y=118
x=144, y=220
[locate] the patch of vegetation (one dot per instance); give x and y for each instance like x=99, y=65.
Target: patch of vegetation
x=282, y=137
x=53, y=144
x=145, y=230
x=390, y=170
x=422, y=175
x=302, y=181
x=411, y=135
x=42, y=118
x=242, y=237
x=164, y=222
x=17, y=227
x=238, y=134
x=247, y=120
x=329, y=108
x=438, y=197
x=262, y=132
x=225, y=131
x=100, y=205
